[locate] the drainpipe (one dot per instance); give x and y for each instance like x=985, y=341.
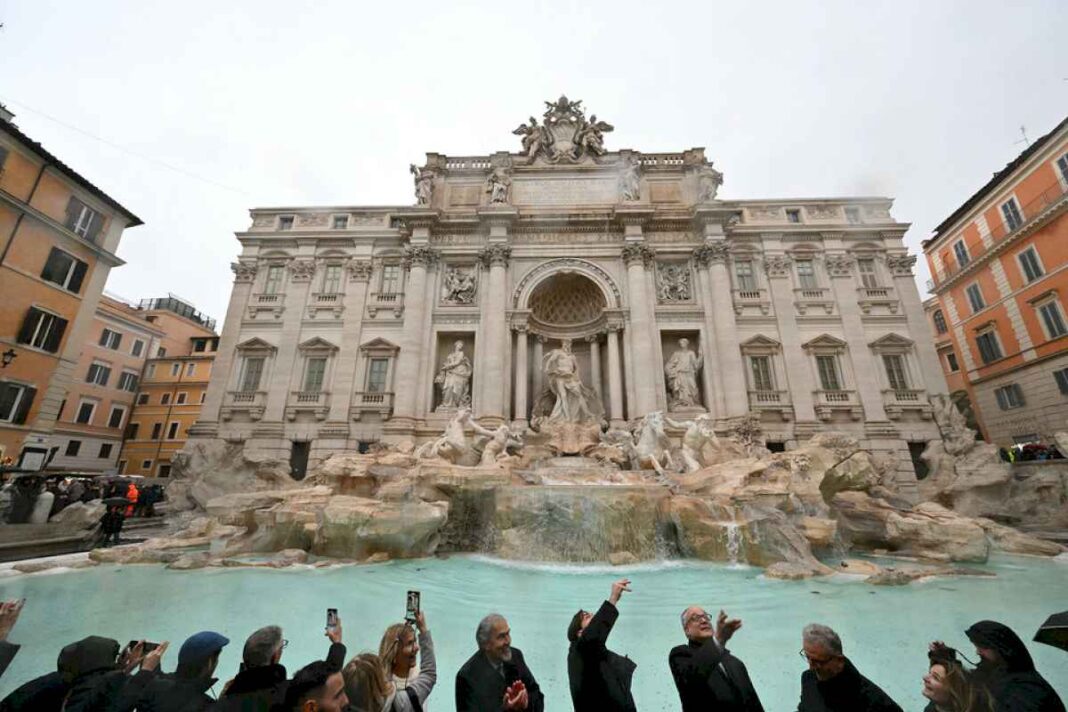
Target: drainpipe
x=22, y=214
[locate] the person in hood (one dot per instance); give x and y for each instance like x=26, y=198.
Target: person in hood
x=186, y=689
x=1007, y=669
x=80, y=662
x=706, y=674
x=600, y=679
x=832, y=683
x=261, y=684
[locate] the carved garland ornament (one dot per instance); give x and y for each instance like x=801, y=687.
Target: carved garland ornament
x=777, y=265
x=900, y=265
x=302, y=270
x=638, y=252
x=839, y=265
x=712, y=252
x=244, y=271
x=359, y=270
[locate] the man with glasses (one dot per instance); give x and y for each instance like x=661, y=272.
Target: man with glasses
x=261, y=683
x=706, y=674
x=831, y=683
x=600, y=679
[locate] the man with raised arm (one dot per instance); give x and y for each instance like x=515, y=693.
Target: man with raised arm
x=707, y=676
x=600, y=679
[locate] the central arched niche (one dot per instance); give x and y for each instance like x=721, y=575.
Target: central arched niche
x=567, y=299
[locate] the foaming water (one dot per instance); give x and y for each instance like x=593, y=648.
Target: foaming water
x=885, y=629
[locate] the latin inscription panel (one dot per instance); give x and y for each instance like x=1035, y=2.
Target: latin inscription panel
x=565, y=191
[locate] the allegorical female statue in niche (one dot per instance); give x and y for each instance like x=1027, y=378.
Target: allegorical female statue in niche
x=454, y=378
x=681, y=372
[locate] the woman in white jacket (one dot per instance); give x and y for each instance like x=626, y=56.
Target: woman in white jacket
x=390, y=681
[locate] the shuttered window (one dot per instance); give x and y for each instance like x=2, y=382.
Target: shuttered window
x=895, y=372
x=1009, y=397
x=1029, y=264
x=42, y=330
x=940, y=322
x=83, y=220
x=253, y=371
x=743, y=273
x=15, y=402
x=64, y=270
x=1011, y=211
x=1052, y=319
x=989, y=348
x=828, y=368
x=868, y=278
x=99, y=374
x=313, y=374
x=760, y=367
x=376, y=375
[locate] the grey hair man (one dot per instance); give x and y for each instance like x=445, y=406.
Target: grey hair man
x=496, y=677
x=706, y=674
x=831, y=681
x=261, y=683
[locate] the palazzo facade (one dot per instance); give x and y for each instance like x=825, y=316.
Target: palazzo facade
x=350, y=325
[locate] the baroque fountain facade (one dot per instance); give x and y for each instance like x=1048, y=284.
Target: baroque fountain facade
x=571, y=353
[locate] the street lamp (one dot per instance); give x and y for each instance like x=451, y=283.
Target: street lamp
x=7, y=357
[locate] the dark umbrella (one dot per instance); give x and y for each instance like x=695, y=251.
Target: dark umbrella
x=116, y=501
x=1054, y=631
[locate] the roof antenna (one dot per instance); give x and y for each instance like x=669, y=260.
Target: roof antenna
x=1024, y=140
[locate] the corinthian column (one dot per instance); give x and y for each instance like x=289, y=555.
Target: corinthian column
x=713, y=257
x=638, y=256
x=521, y=375
x=416, y=259
x=615, y=378
x=494, y=336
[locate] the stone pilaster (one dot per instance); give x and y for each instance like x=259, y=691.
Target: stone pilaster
x=615, y=378
x=642, y=332
x=798, y=369
x=712, y=256
x=522, y=375
x=359, y=275
x=595, y=364
x=494, y=333
x=417, y=259
x=900, y=266
x=301, y=272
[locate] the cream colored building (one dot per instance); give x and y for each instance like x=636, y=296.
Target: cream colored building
x=804, y=311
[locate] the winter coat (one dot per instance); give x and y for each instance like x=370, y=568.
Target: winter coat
x=42, y=694
x=8, y=651
x=170, y=693
x=257, y=689
x=848, y=691
x=709, y=677
x=600, y=679
x=480, y=688
x=1016, y=686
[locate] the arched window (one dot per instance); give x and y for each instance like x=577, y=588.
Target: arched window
x=940, y=322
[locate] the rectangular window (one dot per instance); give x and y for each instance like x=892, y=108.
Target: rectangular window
x=251, y=373
x=1029, y=264
x=743, y=273
x=190, y=369
x=806, y=274
x=285, y=222
x=975, y=298
x=42, y=330
x=128, y=381
x=1052, y=319
x=202, y=396
x=151, y=370
x=121, y=468
x=165, y=399
x=176, y=368
x=85, y=412
x=895, y=372
x=332, y=279
x=314, y=372
x=273, y=283
x=115, y=419
x=142, y=399
x=199, y=345
x=110, y=339
x=64, y=270
x=181, y=398
x=146, y=465
x=1061, y=378
x=1009, y=397
x=138, y=348
x=172, y=431
x=131, y=431
x=760, y=367
x=960, y=251
x=15, y=402
x=161, y=352
x=390, y=283
x=951, y=362
x=868, y=278
x=99, y=374
x=940, y=322
x=157, y=428
x=793, y=215
x=989, y=348
x=105, y=451
x=341, y=222
x=376, y=375
x=73, y=448
x=852, y=216
x=1062, y=165
x=164, y=470
x=1011, y=211
x=828, y=368
x=83, y=220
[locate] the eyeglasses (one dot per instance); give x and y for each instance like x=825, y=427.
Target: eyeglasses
x=699, y=618
x=818, y=662
x=284, y=643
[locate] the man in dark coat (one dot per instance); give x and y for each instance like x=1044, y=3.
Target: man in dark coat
x=1008, y=671
x=496, y=677
x=600, y=679
x=832, y=683
x=261, y=684
x=186, y=689
x=706, y=674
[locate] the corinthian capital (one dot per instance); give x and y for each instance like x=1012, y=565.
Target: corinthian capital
x=419, y=255
x=359, y=270
x=302, y=270
x=638, y=252
x=711, y=252
x=839, y=265
x=900, y=265
x=244, y=271
x=495, y=255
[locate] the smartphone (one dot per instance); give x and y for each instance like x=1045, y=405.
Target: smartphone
x=412, y=606
x=147, y=647
x=331, y=619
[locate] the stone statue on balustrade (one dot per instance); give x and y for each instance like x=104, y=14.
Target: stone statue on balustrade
x=571, y=412
x=497, y=186
x=424, y=184
x=681, y=371
x=454, y=379
x=459, y=286
x=630, y=181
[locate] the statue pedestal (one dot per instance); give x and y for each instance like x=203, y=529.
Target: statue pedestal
x=686, y=410
x=571, y=438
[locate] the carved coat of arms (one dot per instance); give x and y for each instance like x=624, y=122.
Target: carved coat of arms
x=565, y=134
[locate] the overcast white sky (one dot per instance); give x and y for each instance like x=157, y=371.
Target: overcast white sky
x=326, y=103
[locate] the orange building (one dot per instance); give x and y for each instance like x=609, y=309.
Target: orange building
x=1000, y=267
x=58, y=238
x=172, y=388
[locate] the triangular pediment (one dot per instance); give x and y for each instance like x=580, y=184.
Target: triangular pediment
x=379, y=344
x=892, y=341
x=761, y=342
x=256, y=344
x=825, y=341
x=317, y=343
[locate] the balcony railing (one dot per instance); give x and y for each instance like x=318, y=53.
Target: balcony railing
x=310, y=397
x=267, y=299
x=873, y=292
x=809, y=294
x=898, y=400
x=317, y=402
x=836, y=397
x=386, y=300
x=828, y=402
x=768, y=397
x=251, y=402
x=1048, y=198
x=244, y=397
x=380, y=402
x=327, y=298
x=750, y=295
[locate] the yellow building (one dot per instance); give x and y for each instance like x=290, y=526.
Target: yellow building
x=58, y=238
x=172, y=388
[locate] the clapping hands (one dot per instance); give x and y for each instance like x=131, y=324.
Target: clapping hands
x=515, y=697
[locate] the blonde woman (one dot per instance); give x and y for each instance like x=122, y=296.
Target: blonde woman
x=390, y=681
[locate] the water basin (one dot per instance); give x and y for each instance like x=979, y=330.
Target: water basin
x=885, y=630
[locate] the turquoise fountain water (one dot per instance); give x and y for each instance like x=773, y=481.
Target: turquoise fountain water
x=885, y=630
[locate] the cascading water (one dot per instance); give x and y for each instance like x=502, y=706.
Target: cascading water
x=734, y=542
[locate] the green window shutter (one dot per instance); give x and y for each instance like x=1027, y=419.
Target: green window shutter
x=29, y=323
x=25, y=404
x=55, y=335
x=78, y=277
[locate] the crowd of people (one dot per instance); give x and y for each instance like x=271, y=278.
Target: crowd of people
x=36, y=498
x=94, y=674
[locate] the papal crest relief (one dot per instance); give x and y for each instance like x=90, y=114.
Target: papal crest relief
x=565, y=134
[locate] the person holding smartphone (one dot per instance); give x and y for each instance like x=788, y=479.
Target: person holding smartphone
x=390, y=681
